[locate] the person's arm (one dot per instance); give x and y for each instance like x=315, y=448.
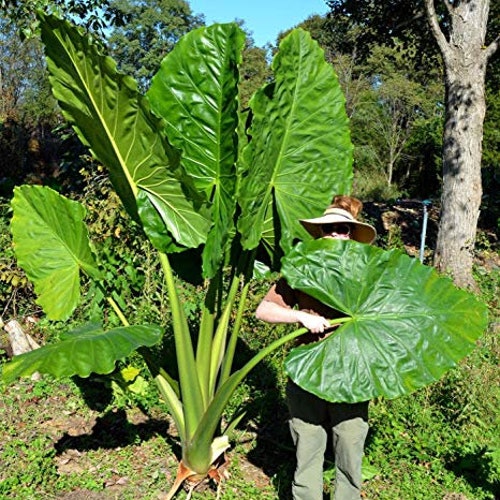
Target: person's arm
x=272, y=312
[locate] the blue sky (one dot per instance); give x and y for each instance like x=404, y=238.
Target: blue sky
x=264, y=18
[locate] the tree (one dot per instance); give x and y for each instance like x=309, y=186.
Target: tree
x=461, y=29
x=491, y=160
x=365, y=23
x=27, y=108
x=391, y=109
x=96, y=15
x=465, y=57
x=33, y=139
x=150, y=31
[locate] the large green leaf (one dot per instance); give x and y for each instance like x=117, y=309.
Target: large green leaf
x=82, y=352
x=300, y=153
x=51, y=245
x=196, y=93
x=407, y=326
x=114, y=120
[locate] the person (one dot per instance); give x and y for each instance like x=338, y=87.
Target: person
x=311, y=418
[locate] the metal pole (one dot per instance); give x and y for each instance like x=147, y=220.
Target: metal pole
x=425, y=203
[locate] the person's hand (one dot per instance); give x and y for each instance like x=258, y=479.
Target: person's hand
x=313, y=322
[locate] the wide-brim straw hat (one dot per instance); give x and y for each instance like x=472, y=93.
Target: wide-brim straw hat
x=364, y=233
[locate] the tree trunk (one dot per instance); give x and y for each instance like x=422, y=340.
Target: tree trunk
x=462, y=189
x=465, y=57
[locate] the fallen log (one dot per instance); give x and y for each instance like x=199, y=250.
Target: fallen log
x=20, y=341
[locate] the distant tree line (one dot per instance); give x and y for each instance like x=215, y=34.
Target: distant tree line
x=385, y=55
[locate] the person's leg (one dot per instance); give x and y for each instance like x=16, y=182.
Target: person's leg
x=310, y=445
x=307, y=414
x=350, y=428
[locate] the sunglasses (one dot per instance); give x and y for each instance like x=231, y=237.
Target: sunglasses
x=343, y=229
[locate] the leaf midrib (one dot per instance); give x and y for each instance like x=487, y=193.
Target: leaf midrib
x=96, y=110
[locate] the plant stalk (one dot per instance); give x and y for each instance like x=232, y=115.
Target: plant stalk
x=208, y=425
x=233, y=339
x=191, y=393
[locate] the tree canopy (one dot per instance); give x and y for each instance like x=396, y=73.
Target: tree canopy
x=149, y=32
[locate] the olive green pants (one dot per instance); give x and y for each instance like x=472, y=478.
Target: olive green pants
x=311, y=420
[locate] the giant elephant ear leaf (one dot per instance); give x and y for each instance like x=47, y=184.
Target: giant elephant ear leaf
x=87, y=350
x=115, y=122
x=196, y=93
x=406, y=324
x=51, y=244
x=300, y=152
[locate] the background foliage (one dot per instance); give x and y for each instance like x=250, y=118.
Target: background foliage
x=443, y=440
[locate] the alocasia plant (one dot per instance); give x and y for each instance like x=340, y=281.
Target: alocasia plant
x=186, y=171
x=174, y=157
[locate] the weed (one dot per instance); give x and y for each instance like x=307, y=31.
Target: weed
x=28, y=465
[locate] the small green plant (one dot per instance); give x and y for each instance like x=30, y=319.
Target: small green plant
x=394, y=237
x=34, y=465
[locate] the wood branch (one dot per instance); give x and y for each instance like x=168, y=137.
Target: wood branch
x=20, y=341
x=410, y=21
x=492, y=47
x=434, y=25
